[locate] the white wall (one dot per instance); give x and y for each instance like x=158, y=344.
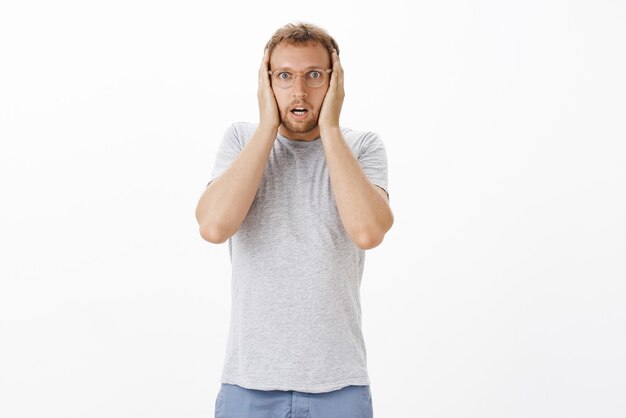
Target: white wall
x=499, y=292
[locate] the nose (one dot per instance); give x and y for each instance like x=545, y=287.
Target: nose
x=299, y=87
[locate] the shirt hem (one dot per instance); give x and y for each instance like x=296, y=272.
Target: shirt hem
x=326, y=387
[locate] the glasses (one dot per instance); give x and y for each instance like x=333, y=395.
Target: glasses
x=313, y=78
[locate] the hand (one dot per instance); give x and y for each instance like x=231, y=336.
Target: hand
x=331, y=107
x=268, y=108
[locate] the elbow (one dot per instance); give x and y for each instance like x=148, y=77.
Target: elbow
x=213, y=234
x=373, y=237
x=369, y=239
x=369, y=242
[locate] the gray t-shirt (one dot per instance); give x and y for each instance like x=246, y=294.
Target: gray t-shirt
x=295, y=319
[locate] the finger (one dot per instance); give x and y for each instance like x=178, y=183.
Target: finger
x=263, y=71
x=265, y=61
x=333, y=74
x=337, y=68
x=337, y=62
x=266, y=58
x=262, y=64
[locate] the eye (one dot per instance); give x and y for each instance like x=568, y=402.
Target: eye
x=284, y=75
x=314, y=74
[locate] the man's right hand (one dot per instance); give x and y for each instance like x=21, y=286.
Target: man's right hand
x=225, y=202
x=268, y=108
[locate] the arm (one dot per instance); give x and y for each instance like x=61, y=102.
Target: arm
x=226, y=201
x=363, y=207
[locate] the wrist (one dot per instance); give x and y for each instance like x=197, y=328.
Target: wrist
x=268, y=128
x=267, y=131
x=329, y=130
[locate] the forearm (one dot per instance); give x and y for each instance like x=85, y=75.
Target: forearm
x=225, y=203
x=364, y=212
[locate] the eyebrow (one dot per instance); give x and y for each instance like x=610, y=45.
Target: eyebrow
x=306, y=69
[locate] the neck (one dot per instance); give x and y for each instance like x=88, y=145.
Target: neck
x=297, y=136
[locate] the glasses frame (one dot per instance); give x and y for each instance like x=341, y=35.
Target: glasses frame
x=296, y=75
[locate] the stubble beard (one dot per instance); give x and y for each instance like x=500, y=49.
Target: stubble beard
x=299, y=127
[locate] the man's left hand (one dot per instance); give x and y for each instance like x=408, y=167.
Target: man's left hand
x=331, y=107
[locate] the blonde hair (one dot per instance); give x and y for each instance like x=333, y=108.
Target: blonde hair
x=302, y=33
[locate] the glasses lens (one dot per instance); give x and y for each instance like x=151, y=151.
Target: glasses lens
x=282, y=79
x=315, y=78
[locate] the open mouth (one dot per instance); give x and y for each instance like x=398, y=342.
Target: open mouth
x=299, y=111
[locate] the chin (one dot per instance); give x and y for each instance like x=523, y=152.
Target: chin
x=299, y=127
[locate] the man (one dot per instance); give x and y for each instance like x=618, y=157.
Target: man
x=299, y=199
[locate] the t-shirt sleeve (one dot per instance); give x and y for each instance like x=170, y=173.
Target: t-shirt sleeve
x=227, y=152
x=373, y=160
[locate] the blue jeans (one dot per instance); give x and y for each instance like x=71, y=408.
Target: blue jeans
x=237, y=402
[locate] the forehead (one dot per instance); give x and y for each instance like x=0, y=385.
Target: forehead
x=300, y=57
